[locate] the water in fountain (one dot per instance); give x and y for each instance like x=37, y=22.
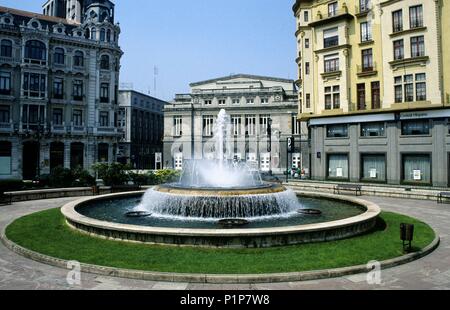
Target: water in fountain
x=200, y=178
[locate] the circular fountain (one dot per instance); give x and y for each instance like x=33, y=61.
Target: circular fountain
x=222, y=202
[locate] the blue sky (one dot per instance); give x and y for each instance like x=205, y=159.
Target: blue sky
x=194, y=40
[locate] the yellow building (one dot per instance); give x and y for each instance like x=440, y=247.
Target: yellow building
x=374, y=86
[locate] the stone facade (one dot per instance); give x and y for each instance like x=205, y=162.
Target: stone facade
x=250, y=101
x=58, y=91
x=141, y=119
x=374, y=89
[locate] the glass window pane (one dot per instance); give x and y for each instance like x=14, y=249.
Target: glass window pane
x=374, y=168
x=417, y=168
x=338, y=166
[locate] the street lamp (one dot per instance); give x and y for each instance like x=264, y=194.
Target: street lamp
x=269, y=145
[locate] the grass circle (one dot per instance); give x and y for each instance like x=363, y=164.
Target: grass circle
x=47, y=233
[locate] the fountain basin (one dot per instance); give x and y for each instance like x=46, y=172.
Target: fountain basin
x=232, y=238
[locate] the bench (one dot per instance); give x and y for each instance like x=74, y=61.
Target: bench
x=5, y=199
x=348, y=187
x=442, y=196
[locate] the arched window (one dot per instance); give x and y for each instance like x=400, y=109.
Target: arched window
x=78, y=59
x=104, y=62
x=35, y=50
x=6, y=48
x=102, y=35
x=94, y=34
x=108, y=35
x=87, y=33
x=59, y=56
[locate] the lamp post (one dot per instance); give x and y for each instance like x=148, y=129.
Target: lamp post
x=269, y=145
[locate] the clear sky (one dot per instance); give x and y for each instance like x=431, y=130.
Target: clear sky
x=194, y=40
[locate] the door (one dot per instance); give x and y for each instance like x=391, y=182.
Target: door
x=30, y=160
x=296, y=161
x=56, y=155
x=178, y=161
x=265, y=162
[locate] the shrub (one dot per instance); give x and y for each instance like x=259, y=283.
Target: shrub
x=11, y=185
x=112, y=174
x=139, y=179
x=61, y=177
x=83, y=178
x=167, y=176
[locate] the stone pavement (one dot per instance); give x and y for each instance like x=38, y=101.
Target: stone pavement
x=431, y=272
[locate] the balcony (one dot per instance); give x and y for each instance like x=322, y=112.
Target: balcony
x=9, y=60
x=37, y=62
x=362, y=10
x=58, y=129
x=332, y=16
x=409, y=62
x=364, y=71
x=6, y=127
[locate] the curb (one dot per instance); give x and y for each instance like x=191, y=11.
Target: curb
x=217, y=278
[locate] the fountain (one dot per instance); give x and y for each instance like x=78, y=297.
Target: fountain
x=221, y=202
x=219, y=188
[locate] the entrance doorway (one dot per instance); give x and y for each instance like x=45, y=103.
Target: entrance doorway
x=76, y=155
x=56, y=155
x=30, y=160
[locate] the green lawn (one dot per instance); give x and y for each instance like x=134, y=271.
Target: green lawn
x=47, y=233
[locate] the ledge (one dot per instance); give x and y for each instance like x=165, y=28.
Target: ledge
x=414, y=61
x=367, y=73
x=326, y=20
x=334, y=74
x=332, y=48
x=407, y=31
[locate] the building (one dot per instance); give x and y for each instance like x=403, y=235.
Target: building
x=58, y=89
x=375, y=89
x=251, y=101
x=141, y=120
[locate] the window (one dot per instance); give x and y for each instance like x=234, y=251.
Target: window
x=178, y=126
x=250, y=101
x=35, y=50
x=338, y=166
x=34, y=85
x=103, y=119
x=417, y=168
x=361, y=96
x=33, y=114
x=78, y=59
x=94, y=34
x=104, y=62
x=250, y=125
x=59, y=56
x=264, y=100
x=330, y=37
x=373, y=168
x=103, y=152
x=263, y=124
x=236, y=121
x=397, y=21
x=409, y=88
x=364, y=5
x=416, y=16
x=372, y=130
x=5, y=157
x=332, y=9
x=108, y=35
x=102, y=35
x=5, y=83
x=366, y=32
x=236, y=101
x=399, y=51
x=77, y=117
x=421, y=87
x=58, y=88
x=296, y=129
x=222, y=101
x=306, y=16
x=332, y=98
x=208, y=125
x=57, y=117
x=367, y=60
x=306, y=43
x=417, y=46
x=398, y=89
x=331, y=63
x=307, y=68
x=104, y=93
x=376, y=98
x=5, y=114
x=416, y=128
x=337, y=131
x=6, y=48
x=208, y=102
x=78, y=90
x=308, y=101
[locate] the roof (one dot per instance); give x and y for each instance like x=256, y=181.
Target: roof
x=236, y=76
x=140, y=94
x=47, y=18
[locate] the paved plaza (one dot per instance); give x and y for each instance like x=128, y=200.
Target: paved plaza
x=431, y=272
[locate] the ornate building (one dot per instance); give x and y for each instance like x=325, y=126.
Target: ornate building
x=374, y=89
x=252, y=102
x=59, y=75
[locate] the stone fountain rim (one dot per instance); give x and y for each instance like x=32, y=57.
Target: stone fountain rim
x=74, y=218
x=263, y=189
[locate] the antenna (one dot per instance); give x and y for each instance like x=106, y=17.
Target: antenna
x=155, y=73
